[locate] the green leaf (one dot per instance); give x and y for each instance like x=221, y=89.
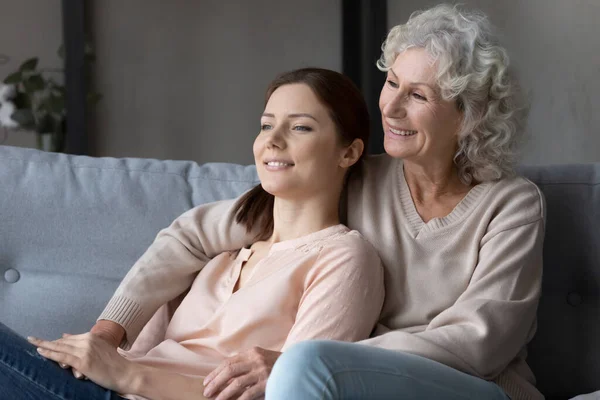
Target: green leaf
x=56, y=104
x=29, y=65
x=22, y=100
x=13, y=78
x=35, y=83
x=24, y=118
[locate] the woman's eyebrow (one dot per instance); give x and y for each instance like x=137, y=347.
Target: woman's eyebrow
x=297, y=115
x=301, y=115
x=415, y=83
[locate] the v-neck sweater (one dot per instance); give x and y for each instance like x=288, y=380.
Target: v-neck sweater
x=462, y=290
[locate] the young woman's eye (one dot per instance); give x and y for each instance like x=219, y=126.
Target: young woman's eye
x=302, y=128
x=265, y=127
x=419, y=97
x=392, y=84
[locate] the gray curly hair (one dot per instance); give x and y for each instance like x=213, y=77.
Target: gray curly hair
x=472, y=68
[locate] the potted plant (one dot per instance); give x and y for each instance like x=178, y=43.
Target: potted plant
x=36, y=102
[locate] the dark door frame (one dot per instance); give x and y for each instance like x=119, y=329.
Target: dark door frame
x=73, y=12
x=364, y=28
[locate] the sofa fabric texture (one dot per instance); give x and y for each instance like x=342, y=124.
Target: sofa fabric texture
x=72, y=226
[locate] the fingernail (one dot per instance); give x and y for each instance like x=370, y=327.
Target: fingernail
x=31, y=338
x=207, y=392
x=40, y=350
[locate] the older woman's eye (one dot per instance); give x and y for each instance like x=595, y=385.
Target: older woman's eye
x=265, y=127
x=392, y=84
x=302, y=128
x=419, y=97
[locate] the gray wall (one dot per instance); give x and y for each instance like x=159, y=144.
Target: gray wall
x=29, y=28
x=186, y=79
x=555, y=46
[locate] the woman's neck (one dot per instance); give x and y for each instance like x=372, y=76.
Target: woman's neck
x=430, y=183
x=294, y=218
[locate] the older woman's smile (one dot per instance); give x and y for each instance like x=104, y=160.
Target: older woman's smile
x=402, y=132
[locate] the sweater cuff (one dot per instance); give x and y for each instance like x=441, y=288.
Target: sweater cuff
x=126, y=313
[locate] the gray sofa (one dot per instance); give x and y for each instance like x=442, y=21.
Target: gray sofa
x=72, y=226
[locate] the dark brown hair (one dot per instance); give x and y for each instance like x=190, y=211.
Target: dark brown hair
x=347, y=109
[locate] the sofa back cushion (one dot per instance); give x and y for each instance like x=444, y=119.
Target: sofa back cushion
x=72, y=226
x=565, y=353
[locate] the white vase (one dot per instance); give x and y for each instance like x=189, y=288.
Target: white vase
x=46, y=141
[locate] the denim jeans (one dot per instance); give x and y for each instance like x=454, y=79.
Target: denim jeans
x=25, y=375
x=337, y=370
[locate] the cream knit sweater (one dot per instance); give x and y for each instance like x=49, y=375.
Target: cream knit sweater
x=462, y=290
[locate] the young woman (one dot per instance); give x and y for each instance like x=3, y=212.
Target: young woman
x=305, y=276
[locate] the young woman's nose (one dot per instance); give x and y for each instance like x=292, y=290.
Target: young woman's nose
x=276, y=139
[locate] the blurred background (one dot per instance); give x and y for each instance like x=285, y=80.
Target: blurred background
x=185, y=79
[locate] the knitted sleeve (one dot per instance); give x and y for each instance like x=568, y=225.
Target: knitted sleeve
x=171, y=263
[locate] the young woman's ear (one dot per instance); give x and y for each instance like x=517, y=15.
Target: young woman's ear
x=352, y=153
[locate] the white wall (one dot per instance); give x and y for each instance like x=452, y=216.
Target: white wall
x=555, y=46
x=186, y=79
x=29, y=28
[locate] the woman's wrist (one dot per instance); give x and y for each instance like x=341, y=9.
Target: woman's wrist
x=110, y=331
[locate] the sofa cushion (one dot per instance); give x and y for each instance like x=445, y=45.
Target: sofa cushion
x=565, y=353
x=72, y=226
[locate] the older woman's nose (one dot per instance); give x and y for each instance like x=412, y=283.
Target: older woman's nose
x=395, y=107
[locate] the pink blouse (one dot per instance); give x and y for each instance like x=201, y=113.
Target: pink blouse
x=325, y=285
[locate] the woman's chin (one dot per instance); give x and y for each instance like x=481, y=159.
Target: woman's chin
x=394, y=149
x=274, y=189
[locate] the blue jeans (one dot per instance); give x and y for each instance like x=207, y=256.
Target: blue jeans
x=338, y=370
x=25, y=375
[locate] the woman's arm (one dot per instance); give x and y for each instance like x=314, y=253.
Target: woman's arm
x=494, y=317
x=101, y=363
x=158, y=384
x=170, y=265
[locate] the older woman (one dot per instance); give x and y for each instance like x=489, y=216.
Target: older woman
x=460, y=237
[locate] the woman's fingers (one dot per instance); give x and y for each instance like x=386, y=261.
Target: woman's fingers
x=61, y=345
x=255, y=392
x=237, y=387
x=227, y=371
x=61, y=351
x=57, y=356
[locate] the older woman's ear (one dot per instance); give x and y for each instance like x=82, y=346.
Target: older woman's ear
x=352, y=153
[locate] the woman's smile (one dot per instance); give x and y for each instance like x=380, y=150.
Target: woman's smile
x=278, y=165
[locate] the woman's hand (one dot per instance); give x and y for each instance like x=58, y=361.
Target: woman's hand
x=110, y=331
x=243, y=376
x=93, y=356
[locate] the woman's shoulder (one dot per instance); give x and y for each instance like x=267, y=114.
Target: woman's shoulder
x=351, y=243
x=516, y=201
